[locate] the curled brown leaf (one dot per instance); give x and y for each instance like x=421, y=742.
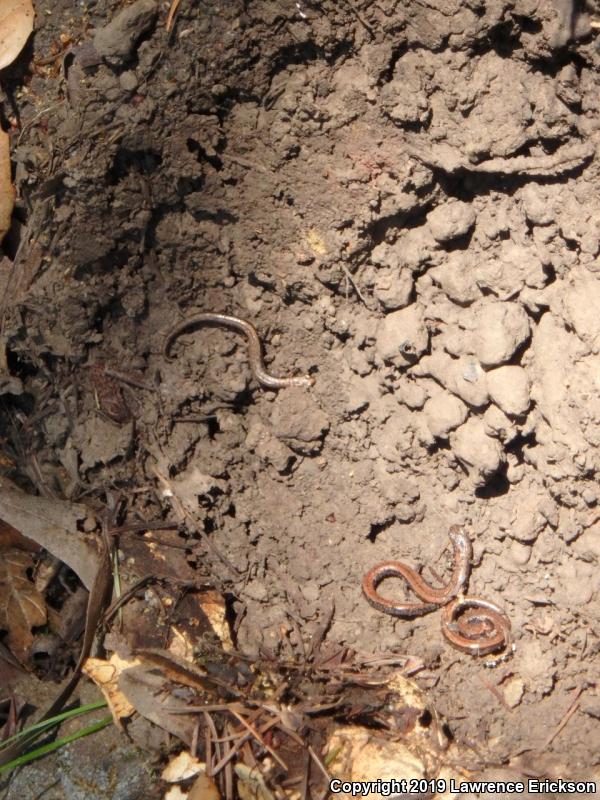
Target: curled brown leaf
x=22, y=607
x=16, y=25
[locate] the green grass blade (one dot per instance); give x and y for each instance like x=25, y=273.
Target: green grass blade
x=48, y=748
x=53, y=721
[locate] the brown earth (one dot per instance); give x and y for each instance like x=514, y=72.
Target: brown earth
x=402, y=197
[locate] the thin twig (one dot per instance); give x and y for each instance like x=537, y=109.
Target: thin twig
x=568, y=714
x=171, y=14
x=495, y=691
x=348, y=275
x=259, y=738
x=319, y=764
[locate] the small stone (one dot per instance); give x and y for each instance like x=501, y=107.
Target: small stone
x=410, y=394
x=463, y=376
x=402, y=337
x=128, y=80
x=528, y=523
x=520, y=553
x=311, y=592
x=456, y=278
x=589, y=496
x=451, y=220
x=443, y=413
x=393, y=289
x=500, y=329
x=498, y=425
x=117, y=40
x=536, y=206
x=298, y=421
x=358, y=397
x=513, y=692
x=479, y=453
x=256, y=590
x=509, y=388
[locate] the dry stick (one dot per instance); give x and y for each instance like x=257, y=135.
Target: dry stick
x=495, y=691
x=320, y=765
x=349, y=276
x=568, y=714
x=259, y=738
x=171, y=15
x=229, y=782
x=305, y=776
x=240, y=742
x=194, y=745
x=211, y=736
x=128, y=379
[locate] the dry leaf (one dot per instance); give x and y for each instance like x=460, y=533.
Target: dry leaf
x=213, y=605
x=11, y=538
x=204, y=788
x=16, y=25
x=22, y=607
x=105, y=675
x=7, y=190
x=181, y=767
x=175, y=793
x=53, y=524
x=146, y=690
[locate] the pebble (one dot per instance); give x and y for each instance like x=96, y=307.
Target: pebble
x=509, y=388
x=451, y=220
x=500, y=329
x=520, y=553
x=117, y=40
x=402, y=337
x=298, y=421
x=443, y=413
x=479, y=453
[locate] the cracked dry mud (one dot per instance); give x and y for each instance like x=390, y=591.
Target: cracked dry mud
x=401, y=197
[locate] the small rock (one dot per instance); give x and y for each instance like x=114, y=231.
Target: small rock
x=357, y=400
x=513, y=692
x=393, y=289
x=311, y=592
x=456, y=278
x=410, y=393
x=402, y=337
x=298, y=421
x=100, y=441
x=451, y=220
x=528, y=523
x=478, y=452
x=128, y=80
x=589, y=496
x=500, y=329
x=443, y=413
x=275, y=453
x=256, y=590
x=509, y=388
x=498, y=425
x=536, y=206
x=463, y=376
x=269, y=449
x=520, y=553
x=395, y=488
x=117, y=40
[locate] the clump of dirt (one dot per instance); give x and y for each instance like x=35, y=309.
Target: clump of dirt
x=402, y=198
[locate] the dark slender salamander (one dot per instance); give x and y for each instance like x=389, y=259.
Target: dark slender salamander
x=432, y=598
x=254, y=347
x=476, y=626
